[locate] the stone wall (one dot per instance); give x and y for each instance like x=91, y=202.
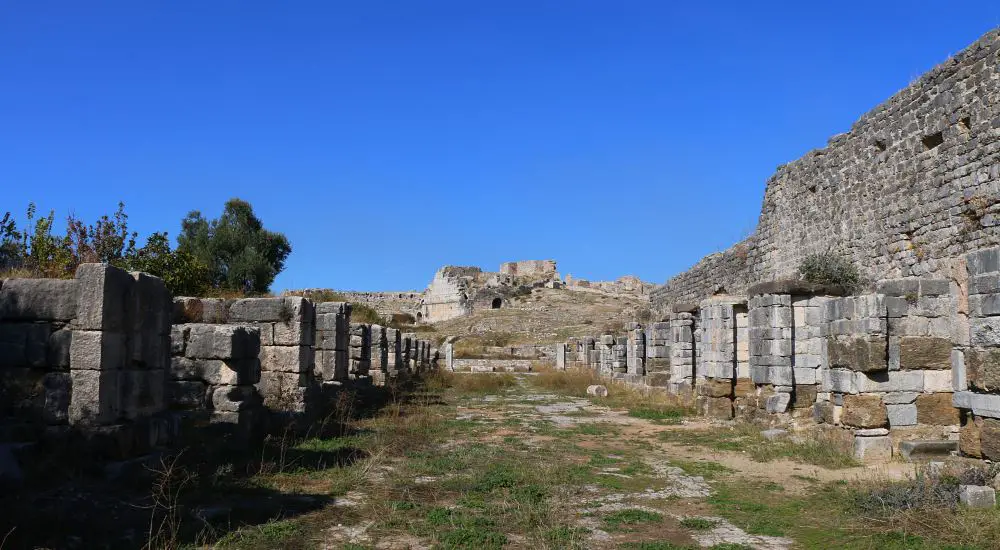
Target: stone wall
x=86, y=356
x=913, y=185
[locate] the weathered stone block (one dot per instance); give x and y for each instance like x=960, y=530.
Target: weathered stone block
x=985, y=331
x=235, y=398
x=936, y=409
x=805, y=396
x=104, y=294
x=983, y=261
x=219, y=342
x=902, y=415
x=872, y=449
x=969, y=438
x=989, y=437
x=983, y=369
x=857, y=354
x=778, y=403
x=295, y=359
x=977, y=496
x=938, y=381
x=95, y=397
x=718, y=407
x=864, y=411
x=889, y=381
x=97, y=350
x=823, y=412
x=38, y=299
x=143, y=392
x=188, y=394
x=715, y=388
x=924, y=353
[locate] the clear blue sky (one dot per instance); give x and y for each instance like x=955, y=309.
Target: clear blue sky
x=389, y=138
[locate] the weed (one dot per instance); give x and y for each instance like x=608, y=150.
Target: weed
x=665, y=415
x=630, y=516
x=830, y=269
x=699, y=524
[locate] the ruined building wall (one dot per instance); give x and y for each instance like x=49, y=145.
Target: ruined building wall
x=914, y=184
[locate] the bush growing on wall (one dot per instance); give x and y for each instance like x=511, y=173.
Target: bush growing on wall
x=830, y=269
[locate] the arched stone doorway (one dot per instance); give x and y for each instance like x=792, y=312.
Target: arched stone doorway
x=497, y=302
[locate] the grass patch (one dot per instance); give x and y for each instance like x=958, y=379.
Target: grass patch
x=662, y=414
x=699, y=524
x=630, y=516
x=478, y=383
x=824, y=448
x=706, y=468
x=284, y=534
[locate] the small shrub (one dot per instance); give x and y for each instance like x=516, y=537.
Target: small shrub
x=363, y=313
x=830, y=269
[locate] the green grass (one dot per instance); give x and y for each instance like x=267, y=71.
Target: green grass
x=630, y=516
x=660, y=415
x=285, y=533
x=706, y=469
x=699, y=524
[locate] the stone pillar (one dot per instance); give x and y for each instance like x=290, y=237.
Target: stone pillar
x=587, y=353
x=682, y=352
x=560, y=356
x=771, y=338
x=449, y=356
x=636, y=350
x=717, y=357
x=394, y=360
x=360, y=356
x=379, y=355
x=658, y=354
x=332, y=341
x=98, y=350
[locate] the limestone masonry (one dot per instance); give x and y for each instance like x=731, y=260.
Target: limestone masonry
x=911, y=196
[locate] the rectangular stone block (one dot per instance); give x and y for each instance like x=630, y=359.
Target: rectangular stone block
x=188, y=394
x=806, y=375
x=38, y=300
x=894, y=381
x=235, y=398
x=95, y=397
x=985, y=331
x=104, y=294
x=924, y=353
x=220, y=342
x=858, y=354
x=293, y=359
x=983, y=305
x=143, y=392
x=983, y=368
x=983, y=261
x=902, y=415
x=937, y=381
x=97, y=350
x=984, y=284
x=293, y=333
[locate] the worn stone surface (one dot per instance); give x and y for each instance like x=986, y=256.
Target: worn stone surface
x=38, y=299
x=715, y=388
x=936, y=409
x=977, y=496
x=969, y=439
x=989, y=438
x=864, y=411
x=857, y=354
x=924, y=353
x=902, y=415
x=873, y=449
x=983, y=369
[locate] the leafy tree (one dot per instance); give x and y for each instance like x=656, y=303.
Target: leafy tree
x=183, y=274
x=239, y=252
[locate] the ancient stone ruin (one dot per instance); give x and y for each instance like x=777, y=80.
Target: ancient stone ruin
x=910, y=196
x=109, y=358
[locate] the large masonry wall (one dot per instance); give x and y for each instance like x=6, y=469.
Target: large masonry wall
x=911, y=187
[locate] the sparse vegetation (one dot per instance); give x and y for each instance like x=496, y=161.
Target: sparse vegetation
x=831, y=269
x=822, y=449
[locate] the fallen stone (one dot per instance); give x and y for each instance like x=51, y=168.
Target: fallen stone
x=873, y=449
x=778, y=403
x=597, y=390
x=977, y=496
x=914, y=449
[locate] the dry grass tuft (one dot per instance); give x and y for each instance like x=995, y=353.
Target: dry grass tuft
x=470, y=382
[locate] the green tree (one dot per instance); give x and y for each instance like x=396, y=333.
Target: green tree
x=240, y=254
x=181, y=272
